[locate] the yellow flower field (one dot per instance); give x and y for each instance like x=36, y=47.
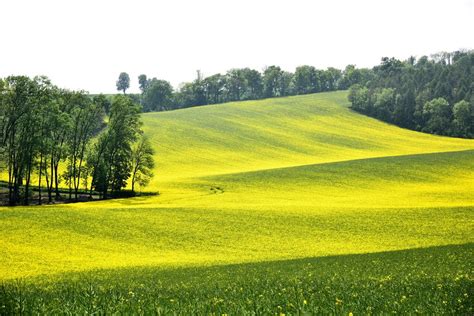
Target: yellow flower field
x=256, y=181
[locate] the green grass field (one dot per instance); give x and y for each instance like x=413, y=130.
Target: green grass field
x=279, y=206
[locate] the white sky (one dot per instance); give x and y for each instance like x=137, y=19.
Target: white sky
x=86, y=44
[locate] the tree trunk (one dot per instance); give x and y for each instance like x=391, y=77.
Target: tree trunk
x=50, y=183
x=56, y=180
x=16, y=186
x=39, y=179
x=10, y=181
x=90, y=191
x=133, y=178
x=27, y=186
x=70, y=189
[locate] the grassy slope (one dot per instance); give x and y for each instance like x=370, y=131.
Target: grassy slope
x=261, y=180
x=275, y=133
x=284, y=213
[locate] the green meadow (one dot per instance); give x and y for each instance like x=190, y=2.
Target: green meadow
x=292, y=205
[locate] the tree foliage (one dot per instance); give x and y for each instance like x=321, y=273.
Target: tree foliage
x=123, y=82
x=239, y=84
x=112, y=154
x=157, y=95
x=433, y=95
x=42, y=127
x=142, y=162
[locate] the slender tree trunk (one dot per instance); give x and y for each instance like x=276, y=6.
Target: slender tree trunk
x=50, y=183
x=17, y=181
x=77, y=180
x=72, y=177
x=57, y=159
x=70, y=188
x=90, y=191
x=134, y=174
x=28, y=177
x=27, y=184
x=10, y=180
x=13, y=170
x=76, y=184
x=46, y=176
x=56, y=181
x=39, y=179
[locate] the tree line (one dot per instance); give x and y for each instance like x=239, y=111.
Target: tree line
x=433, y=95
x=241, y=84
x=63, y=138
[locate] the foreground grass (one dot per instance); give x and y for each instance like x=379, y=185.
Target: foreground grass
x=432, y=281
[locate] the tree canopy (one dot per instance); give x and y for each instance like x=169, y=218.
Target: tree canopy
x=239, y=84
x=43, y=127
x=433, y=95
x=123, y=82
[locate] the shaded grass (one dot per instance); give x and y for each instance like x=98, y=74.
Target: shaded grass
x=436, y=280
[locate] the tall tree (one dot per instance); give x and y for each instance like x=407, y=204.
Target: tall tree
x=305, y=80
x=142, y=162
x=235, y=84
x=112, y=153
x=272, y=81
x=333, y=77
x=62, y=123
x=123, y=82
x=286, y=84
x=18, y=132
x=438, y=116
x=359, y=97
x=214, y=87
x=463, y=113
x=158, y=95
x=86, y=118
x=383, y=103
x=47, y=116
x=253, y=84
x=142, y=82
x=3, y=121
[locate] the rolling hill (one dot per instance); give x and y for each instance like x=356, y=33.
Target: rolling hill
x=259, y=181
